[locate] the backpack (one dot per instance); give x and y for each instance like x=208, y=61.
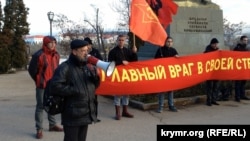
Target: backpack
x=52, y=104
x=32, y=69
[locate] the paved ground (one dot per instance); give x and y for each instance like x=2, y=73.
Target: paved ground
x=17, y=105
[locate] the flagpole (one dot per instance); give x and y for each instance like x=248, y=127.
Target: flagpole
x=133, y=39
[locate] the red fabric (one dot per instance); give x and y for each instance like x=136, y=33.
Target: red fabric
x=164, y=10
x=145, y=24
x=165, y=74
x=48, y=61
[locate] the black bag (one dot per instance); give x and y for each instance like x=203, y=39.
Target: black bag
x=52, y=104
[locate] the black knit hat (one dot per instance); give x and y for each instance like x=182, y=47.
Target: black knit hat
x=77, y=43
x=214, y=40
x=88, y=40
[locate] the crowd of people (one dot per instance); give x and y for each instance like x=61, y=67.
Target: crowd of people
x=76, y=80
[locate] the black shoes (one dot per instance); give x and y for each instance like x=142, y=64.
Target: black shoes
x=244, y=98
x=213, y=102
x=237, y=99
x=98, y=120
x=209, y=104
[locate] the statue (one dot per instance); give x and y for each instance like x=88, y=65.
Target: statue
x=196, y=3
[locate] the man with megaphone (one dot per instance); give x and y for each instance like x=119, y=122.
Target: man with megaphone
x=76, y=80
x=122, y=56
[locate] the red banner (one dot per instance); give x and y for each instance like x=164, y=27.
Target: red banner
x=164, y=74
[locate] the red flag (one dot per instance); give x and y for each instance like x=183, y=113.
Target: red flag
x=164, y=9
x=145, y=24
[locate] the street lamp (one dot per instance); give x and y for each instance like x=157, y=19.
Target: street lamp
x=50, y=17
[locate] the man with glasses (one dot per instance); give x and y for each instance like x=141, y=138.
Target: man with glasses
x=240, y=84
x=122, y=56
x=77, y=80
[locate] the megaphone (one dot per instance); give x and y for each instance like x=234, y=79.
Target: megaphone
x=108, y=67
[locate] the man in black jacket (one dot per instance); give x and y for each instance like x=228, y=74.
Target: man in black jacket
x=240, y=84
x=212, y=85
x=122, y=56
x=164, y=52
x=76, y=80
x=94, y=52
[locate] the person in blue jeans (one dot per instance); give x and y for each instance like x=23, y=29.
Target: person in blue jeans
x=163, y=52
x=161, y=98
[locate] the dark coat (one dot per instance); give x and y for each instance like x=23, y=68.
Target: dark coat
x=209, y=48
x=94, y=52
x=77, y=84
x=118, y=55
x=165, y=52
x=240, y=47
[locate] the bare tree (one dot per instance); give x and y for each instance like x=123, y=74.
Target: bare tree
x=99, y=31
x=122, y=7
x=230, y=31
x=69, y=30
x=96, y=27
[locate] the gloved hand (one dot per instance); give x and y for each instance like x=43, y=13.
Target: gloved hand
x=94, y=74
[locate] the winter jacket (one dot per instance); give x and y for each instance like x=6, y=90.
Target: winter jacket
x=76, y=82
x=118, y=55
x=94, y=52
x=209, y=48
x=165, y=52
x=240, y=47
x=43, y=64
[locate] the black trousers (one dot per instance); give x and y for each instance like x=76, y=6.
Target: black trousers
x=240, y=88
x=75, y=133
x=212, y=90
x=96, y=105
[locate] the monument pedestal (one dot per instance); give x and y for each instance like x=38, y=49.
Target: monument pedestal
x=193, y=28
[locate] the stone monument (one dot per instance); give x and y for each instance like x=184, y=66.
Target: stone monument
x=195, y=24
x=192, y=28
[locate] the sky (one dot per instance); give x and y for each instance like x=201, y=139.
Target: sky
x=77, y=10
x=235, y=11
